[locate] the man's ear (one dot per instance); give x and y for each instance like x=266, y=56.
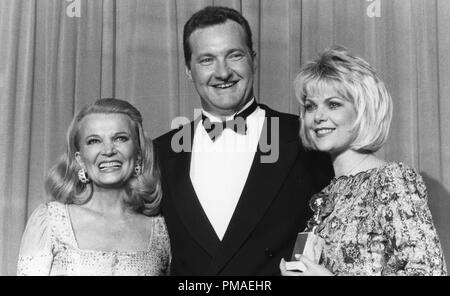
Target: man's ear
x=255, y=61
x=188, y=72
x=79, y=160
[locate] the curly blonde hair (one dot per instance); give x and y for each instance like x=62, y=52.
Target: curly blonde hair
x=144, y=190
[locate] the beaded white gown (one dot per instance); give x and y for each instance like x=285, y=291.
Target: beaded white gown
x=49, y=247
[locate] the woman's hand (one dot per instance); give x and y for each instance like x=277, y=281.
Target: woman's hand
x=312, y=269
x=285, y=272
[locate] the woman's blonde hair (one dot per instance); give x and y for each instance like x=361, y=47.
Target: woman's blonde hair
x=144, y=190
x=355, y=80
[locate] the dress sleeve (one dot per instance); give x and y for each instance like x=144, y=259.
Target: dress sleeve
x=163, y=238
x=35, y=255
x=413, y=246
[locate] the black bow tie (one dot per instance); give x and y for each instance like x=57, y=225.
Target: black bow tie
x=237, y=124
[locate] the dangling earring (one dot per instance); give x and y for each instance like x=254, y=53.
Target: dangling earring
x=82, y=176
x=138, y=168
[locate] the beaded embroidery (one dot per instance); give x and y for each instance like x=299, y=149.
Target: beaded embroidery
x=377, y=222
x=65, y=258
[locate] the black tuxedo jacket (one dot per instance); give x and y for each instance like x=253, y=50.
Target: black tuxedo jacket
x=272, y=208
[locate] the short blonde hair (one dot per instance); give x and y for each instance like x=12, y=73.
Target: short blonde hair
x=355, y=80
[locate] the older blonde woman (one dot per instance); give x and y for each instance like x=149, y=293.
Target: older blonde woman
x=374, y=214
x=104, y=218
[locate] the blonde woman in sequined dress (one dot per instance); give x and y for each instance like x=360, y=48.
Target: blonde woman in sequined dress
x=374, y=214
x=104, y=218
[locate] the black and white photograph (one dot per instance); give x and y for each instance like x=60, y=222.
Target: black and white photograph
x=250, y=138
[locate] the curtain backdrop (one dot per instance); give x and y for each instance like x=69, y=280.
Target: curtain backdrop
x=51, y=64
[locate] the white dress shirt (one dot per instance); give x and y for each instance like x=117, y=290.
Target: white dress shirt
x=220, y=169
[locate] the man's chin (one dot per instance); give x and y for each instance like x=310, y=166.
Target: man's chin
x=226, y=107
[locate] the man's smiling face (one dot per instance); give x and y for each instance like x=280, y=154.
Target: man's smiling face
x=222, y=67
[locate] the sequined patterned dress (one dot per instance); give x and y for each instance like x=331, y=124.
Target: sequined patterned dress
x=49, y=247
x=377, y=222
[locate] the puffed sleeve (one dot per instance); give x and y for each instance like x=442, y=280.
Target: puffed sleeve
x=413, y=244
x=35, y=255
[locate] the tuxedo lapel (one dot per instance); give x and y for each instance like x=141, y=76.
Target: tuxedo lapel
x=186, y=202
x=262, y=185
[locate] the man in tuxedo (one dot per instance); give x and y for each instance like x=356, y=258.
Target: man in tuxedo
x=236, y=181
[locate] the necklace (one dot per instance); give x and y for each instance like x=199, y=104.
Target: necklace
x=356, y=166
